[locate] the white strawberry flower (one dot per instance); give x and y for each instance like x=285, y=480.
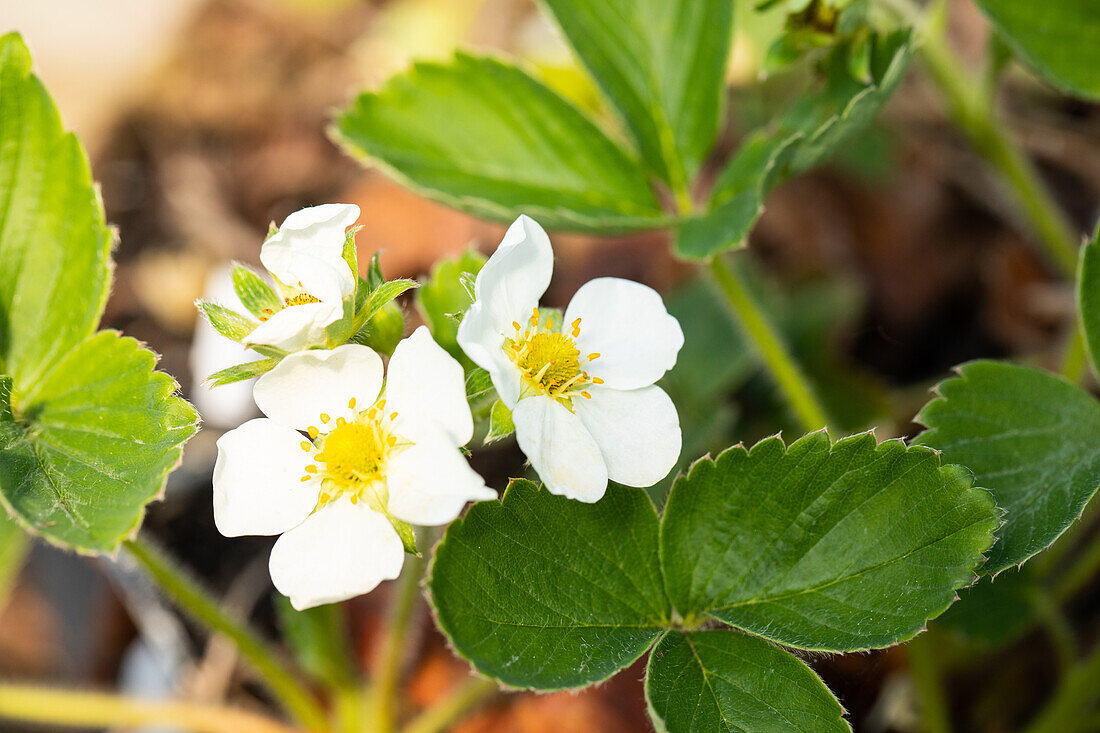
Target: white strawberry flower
x=305, y=257
x=339, y=456
x=581, y=391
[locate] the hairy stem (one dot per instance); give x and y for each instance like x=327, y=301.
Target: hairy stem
x=778, y=360
x=295, y=698
x=46, y=706
x=1066, y=711
x=924, y=668
x=387, y=672
x=454, y=707
x=971, y=109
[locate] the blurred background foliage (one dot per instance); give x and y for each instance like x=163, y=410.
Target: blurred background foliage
x=206, y=120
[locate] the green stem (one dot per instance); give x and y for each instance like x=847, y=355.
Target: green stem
x=454, y=707
x=925, y=671
x=971, y=109
x=89, y=709
x=192, y=598
x=1080, y=572
x=786, y=372
x=387, y=672
x=1075, y=359
x=1066, y=711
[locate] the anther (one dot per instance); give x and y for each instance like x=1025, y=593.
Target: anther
x=516, y=324
x=393, y=415
x=597, y=380
x=325, y=417
x=593, y=356
x=586, y=394
x=303, y=479
x=313, y=432
x=305, y=445
x=351, y=404
x=311, y=469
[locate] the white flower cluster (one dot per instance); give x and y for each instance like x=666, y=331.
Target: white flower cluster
x=348, y=457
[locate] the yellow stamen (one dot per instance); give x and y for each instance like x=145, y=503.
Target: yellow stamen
x=586, y=394
x=306, y=445
x=313, y=432
x=325, y=417
x=597, y=380
x=593, y=356
x=351, y=404
x=311, y=469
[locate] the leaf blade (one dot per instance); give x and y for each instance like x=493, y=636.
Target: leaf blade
x=753, y=538
x=427, y=128
x=591, y=605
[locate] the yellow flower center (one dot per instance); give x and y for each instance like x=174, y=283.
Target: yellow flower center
x=549, y=360
x=353, y=454
x=301, y=298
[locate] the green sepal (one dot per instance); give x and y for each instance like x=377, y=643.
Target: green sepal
x=500, y=423
x=228, y=323
x=255, y=294
x=407, y=534
x=351, y=252
x=240, y=372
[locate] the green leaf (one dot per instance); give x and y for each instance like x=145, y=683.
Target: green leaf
x=14, y=545
x=241, y=372
x=1088, y=298
x=811, y=130
x=256, y=295
x=54, y=242
x=318, y=640
x=1031, y=437
x=1060, y=39
x=662, y=64
x=485, y=137
x=708, y=681
x=90, y=444
x=500, y=423
x=228, y=323
x=444, y=298
x=841, y=547
x=541, y=591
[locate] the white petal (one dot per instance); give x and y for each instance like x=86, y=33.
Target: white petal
x=257, y=480
x=296, y=327
x=426, y=387
x=638, y=432
x=627, y=324
x=507, y=288
x=431, y=481
x=341, y=551
x=560, y=448
x=307, y=383
x=323, y=280
x=318, y=231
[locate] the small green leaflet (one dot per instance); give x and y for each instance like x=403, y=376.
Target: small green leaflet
x=545, y=592
x=256, y=295
x=500, y=423
x=228, y=323
x=809, y=132
x=836, y=547
x=662, y=64
x=241, y=372
x=1088, y=298
x=429, y=127
x=92, y=444
x=723, y=682
x=88, y=431
x=1030, y=437
x=1060, y=39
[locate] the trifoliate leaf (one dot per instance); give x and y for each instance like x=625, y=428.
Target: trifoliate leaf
x=54, y=242
x=541, y=591
x=228, y=323
x=485, y=137
x=706, y=681
x=662, y=64
x=89, y=445
x=845, y=546
x=256, y=295
x=1030, y=437
x=1058, y=38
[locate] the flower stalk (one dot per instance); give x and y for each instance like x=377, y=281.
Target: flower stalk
x=45, y=706
x=295, y=698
